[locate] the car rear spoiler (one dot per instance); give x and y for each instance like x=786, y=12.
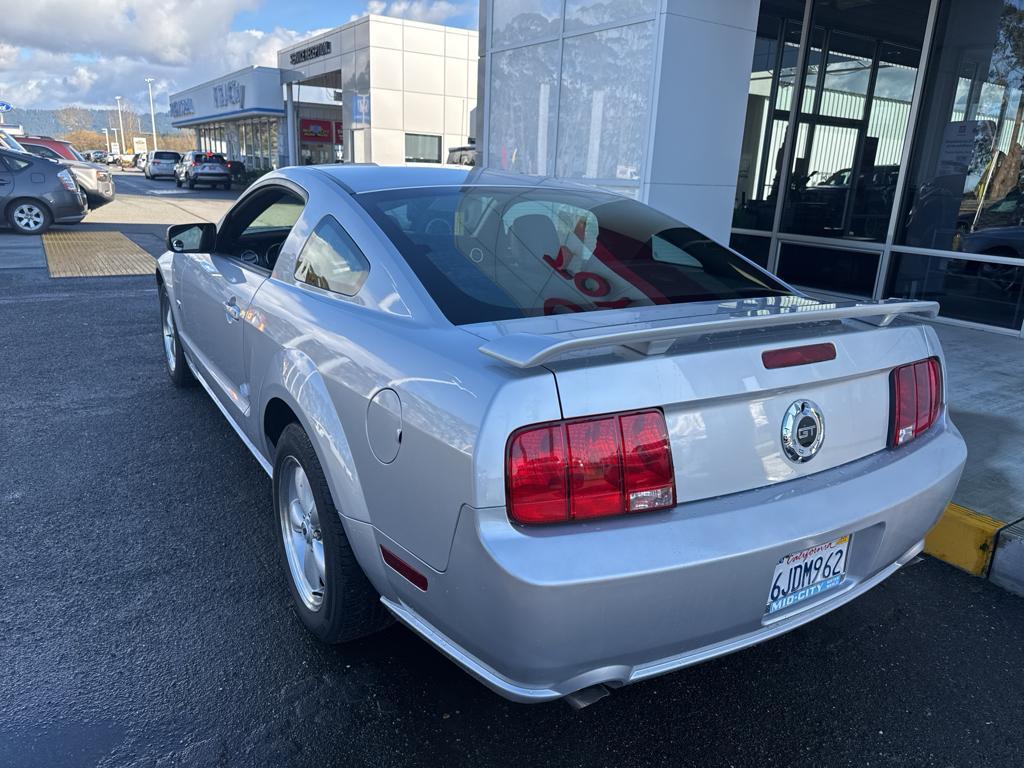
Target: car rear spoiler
x=527, y=350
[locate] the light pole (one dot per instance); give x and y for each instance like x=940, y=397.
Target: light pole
x=106, y=138
x=120, y=122
x=152, y=112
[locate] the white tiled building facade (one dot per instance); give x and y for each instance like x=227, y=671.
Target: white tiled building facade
x=407, y=87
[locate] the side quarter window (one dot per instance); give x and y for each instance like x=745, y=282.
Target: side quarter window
x=330, y=260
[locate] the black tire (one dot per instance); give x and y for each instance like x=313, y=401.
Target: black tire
x=177, y=182
x=227, y=186
x=350, y=607
x=85, y=197
x=174, y=356
x=191, y=183
x=28, y=224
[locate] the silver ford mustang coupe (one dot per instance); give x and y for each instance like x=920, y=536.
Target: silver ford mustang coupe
x=568, y=440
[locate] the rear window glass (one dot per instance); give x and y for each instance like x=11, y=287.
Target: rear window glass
x=499, y=253
x=166, y=156
x=210, y=159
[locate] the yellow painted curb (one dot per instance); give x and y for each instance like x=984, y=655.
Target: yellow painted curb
x=963, y=538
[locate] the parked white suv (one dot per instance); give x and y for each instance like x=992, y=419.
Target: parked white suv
x=161, y=163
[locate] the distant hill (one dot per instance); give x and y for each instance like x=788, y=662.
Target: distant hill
x=47, y=122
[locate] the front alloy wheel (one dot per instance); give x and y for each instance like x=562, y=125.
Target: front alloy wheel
x=174, y=357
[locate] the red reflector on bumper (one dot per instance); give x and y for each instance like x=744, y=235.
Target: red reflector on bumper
x=399, y=565
x=790, y=356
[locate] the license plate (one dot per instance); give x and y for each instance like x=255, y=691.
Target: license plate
x=808, y=573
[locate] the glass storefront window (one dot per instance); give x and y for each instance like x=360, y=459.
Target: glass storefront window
x=854, y=117
x=829, y=268
x=754, y=247
x=965, y=189
x=606, y=86
x=772, y=77
x=976, y=291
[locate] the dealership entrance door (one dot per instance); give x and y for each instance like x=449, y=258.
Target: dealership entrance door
x=831, y=89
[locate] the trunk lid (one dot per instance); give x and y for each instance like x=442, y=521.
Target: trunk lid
x=724, y=409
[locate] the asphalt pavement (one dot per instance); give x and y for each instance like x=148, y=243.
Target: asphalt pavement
x=145, y=619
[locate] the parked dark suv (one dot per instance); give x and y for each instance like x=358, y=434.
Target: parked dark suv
x=35, y=193
x=207, y=168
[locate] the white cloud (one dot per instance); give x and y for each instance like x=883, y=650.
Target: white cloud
x=8, y=55
x=42, y=78
x=58, y=52
x=435, y=11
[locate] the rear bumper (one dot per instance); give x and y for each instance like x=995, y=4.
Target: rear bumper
x=101, y=194
x=210, y=178
x=67, y=207
x=539, y=613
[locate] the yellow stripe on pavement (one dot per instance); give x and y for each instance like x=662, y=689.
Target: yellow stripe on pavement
x=963, y=538
x=94, y=254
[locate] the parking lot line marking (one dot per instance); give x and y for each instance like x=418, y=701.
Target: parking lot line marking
x=963, y=538
x=94, y=254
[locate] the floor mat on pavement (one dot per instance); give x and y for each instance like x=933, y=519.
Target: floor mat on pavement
x=94, y=254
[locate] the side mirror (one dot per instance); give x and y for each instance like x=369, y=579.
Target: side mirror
x=191, y=238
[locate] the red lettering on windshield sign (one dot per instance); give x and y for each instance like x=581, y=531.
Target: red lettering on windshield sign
x=589, y=284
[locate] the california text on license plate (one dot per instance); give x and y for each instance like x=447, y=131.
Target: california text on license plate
x=807, y=573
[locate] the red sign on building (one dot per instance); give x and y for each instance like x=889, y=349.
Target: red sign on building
x=316, y=131
x=339, y=133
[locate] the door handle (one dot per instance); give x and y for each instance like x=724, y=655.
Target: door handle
x=233, y=312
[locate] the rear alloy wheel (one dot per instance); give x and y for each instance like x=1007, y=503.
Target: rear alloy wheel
x=331, y=594
x=29, y=217
x=174, y=356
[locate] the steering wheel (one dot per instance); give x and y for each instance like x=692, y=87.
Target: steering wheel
x=249, y=256
x=272, y=253
x=438, y=227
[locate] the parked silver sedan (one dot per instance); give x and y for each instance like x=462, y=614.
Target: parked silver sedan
x=566, y=439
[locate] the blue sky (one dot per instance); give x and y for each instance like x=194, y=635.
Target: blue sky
x=59, y=52
x=305, y=14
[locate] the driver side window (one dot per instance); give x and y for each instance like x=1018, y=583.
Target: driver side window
x=256, y=229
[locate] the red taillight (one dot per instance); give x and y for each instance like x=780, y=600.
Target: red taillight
x=537, y=475
x=586, y=468
x=916, y=399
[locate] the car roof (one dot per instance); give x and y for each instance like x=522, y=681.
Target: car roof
x=359, y=178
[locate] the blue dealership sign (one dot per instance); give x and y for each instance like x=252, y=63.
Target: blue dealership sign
x=5, y=106
x=361, y=109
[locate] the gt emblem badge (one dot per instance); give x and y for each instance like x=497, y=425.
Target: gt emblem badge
x=803, y=431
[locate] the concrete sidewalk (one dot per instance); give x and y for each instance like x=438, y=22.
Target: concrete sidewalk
x=21, y=251
x=983, y=531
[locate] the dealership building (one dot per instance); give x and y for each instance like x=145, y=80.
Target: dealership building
x=858, y=148
x=376, y=89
